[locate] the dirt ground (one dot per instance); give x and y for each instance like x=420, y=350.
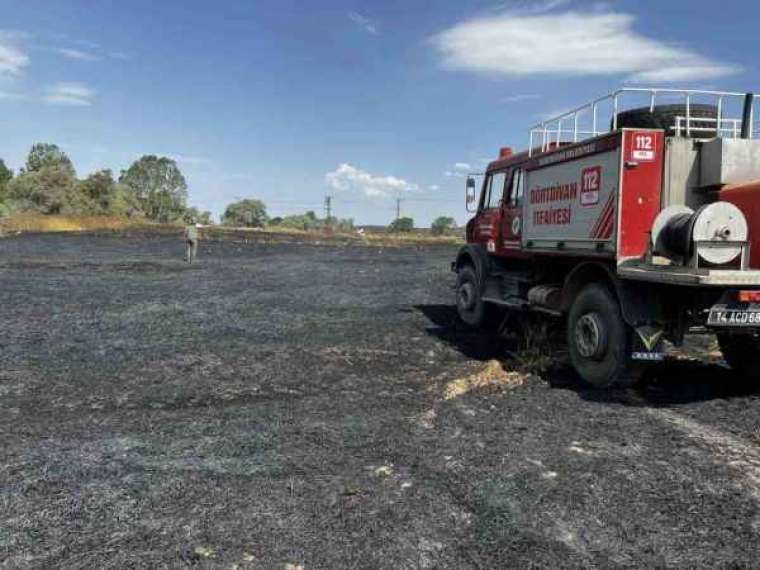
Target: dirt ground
x=294, y=405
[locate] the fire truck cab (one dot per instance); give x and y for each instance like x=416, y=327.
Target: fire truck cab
x=632, y=223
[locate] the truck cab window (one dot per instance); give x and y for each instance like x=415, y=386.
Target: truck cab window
x=517, y=188
x=494, y=190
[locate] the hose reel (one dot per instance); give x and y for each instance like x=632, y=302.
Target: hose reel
x=716, y=233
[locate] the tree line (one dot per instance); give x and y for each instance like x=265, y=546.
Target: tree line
x=153, y=187
x=253, y=214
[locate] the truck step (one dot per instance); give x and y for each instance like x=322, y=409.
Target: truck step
x=505, y=285
x=519, y=304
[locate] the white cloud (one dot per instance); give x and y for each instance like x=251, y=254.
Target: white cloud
x=347, y=178
x=570, y=43
x=520, y=98
x=13, y=58
x=363, y=22
x=10, y=96
x=77, y=54
x=87, y=44
x=434, y=187
x=459, y=169
x=70, y=94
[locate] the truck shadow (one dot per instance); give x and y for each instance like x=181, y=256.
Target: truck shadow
x=446, y=326
x=672, y=382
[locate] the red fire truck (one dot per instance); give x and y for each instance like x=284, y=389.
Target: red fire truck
x=634, y=219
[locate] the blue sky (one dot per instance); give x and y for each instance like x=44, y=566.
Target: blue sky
x=289, y=101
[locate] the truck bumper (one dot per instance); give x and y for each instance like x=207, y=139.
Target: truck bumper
x=691, y=277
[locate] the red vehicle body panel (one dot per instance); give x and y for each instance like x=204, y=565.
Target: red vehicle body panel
x=630, y=209
x=746, y=197
x=641, y=191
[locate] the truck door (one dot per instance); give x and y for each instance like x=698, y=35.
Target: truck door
x=486, y=223
x=512, y=214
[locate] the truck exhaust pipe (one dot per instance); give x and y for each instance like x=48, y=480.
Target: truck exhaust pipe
x=746, y=133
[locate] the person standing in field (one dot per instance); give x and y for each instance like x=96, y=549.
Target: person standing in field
x=192, y=235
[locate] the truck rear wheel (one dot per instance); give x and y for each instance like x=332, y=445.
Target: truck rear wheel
x=599, y=340
x=742, y=352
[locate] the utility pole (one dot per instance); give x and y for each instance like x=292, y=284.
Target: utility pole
x=328, y=212
x=398, y=208
x=328, y=207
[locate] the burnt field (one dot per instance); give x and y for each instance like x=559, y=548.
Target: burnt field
x=319, y=406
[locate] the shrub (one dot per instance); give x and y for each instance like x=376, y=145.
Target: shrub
x=402, y=225
x=442, y=225
x=246, y=213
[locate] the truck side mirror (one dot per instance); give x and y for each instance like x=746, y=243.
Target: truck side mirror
x=470, y=192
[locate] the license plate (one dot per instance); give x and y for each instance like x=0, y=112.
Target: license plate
x=728, y=317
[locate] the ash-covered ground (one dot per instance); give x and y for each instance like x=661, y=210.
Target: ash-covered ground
x=319, y=406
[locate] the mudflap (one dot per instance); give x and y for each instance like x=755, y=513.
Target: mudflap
x=642, y=311
x=648, y=344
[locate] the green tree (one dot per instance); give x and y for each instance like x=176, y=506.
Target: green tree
x=99, y=187
x=50, y=190
x=246, y=213
x=159, y=186
x=442, y=225
x=47, y=184
x=195, y=215
x=108, y=196
x=122, y=203
x=45, y=155
x=306, y=222
x=402, y=225
x=6, y=174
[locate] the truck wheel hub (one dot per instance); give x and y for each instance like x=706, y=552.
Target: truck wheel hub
x=466, y=296
x=591, y=336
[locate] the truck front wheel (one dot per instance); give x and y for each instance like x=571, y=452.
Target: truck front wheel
x=742, y=353
x=470, y=304
x=599, y=339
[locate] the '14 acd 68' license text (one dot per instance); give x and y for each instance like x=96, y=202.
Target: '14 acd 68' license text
x=724, y=316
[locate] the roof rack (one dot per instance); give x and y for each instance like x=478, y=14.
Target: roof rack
x=590, y=120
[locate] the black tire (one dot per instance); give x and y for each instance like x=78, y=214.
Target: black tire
x=599, y=340
x=664, y=117
x=469, y=292
x=742, y=353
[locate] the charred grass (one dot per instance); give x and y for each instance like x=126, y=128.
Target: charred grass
x=289, y=404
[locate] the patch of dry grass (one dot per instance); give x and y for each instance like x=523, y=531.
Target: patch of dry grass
x=42, y=223
x=539, y=344
x=39, y=223
x=367, y=238
x=493, y=376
